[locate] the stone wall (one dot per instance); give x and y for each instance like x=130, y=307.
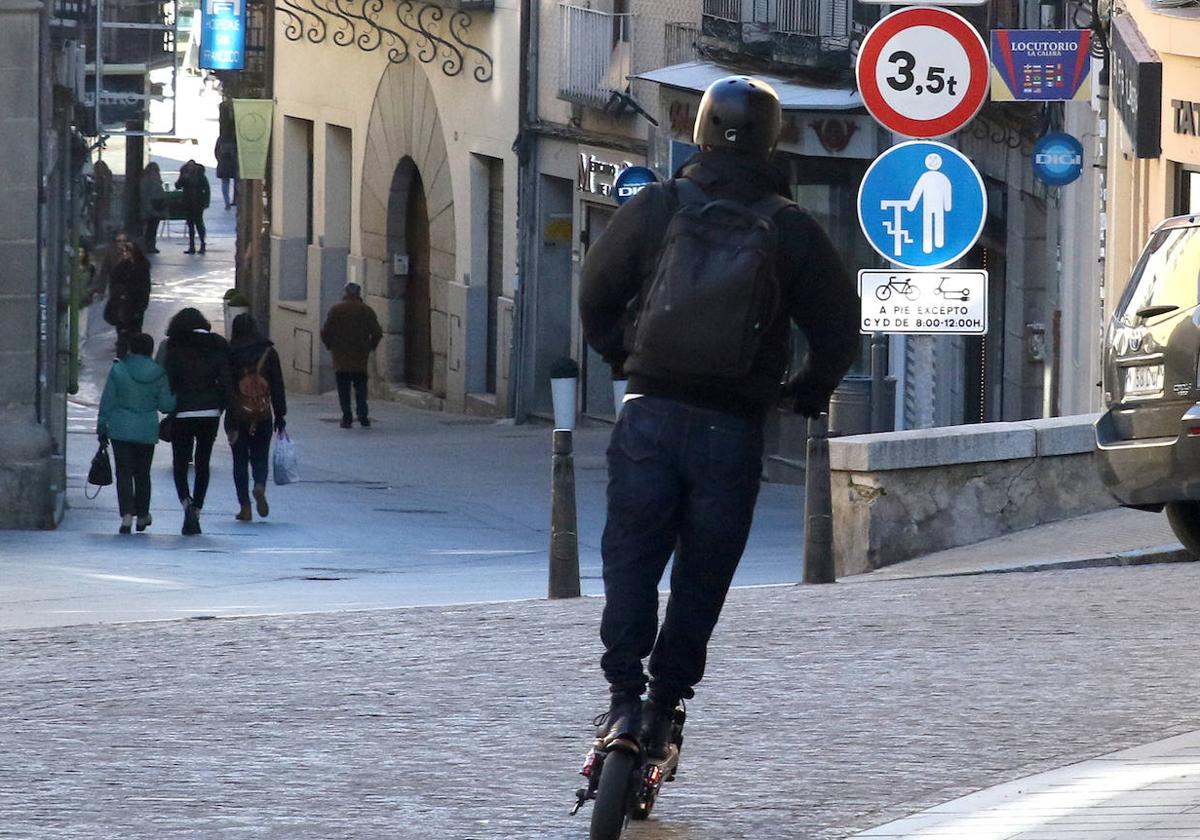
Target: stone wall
x=899, y=495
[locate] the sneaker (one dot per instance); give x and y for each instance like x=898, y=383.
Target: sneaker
x=244, y=515
x=658, y=720
x=260, y=500
x=191, y=520
x=144, y=522
x=365, y=422
x=347, y=423
x=126, y=525
x=621, y=720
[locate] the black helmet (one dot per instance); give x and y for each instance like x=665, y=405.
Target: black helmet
x=738, y=112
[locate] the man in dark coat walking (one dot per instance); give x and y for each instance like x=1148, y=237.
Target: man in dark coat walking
x=193, y=180
x=686, y=453
x=350, y=333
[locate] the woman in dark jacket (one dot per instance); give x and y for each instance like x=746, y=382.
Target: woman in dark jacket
x=248, y=421
x=197, y=363
x=128, y=291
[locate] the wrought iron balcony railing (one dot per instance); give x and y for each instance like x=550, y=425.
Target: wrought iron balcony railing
x=596, y=59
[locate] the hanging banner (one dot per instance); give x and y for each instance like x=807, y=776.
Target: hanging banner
x=252, y=119
x=223, y=35
x=1041, y=65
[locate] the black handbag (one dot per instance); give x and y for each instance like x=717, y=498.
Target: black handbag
x=166, y=428
x=100, y=474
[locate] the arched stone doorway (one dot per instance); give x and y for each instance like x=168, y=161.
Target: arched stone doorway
x=408, y=234
x=407, y=210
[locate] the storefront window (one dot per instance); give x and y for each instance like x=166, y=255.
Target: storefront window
x=1187, y=191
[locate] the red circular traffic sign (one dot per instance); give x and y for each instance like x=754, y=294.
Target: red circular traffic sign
x=923, y=72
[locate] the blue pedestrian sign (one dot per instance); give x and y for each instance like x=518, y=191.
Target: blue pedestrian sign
x=922, y=204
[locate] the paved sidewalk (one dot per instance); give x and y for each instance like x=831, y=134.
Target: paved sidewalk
x=1145, y=793
x=1118, y=537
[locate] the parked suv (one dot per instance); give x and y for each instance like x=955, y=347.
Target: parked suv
x=1148, y=441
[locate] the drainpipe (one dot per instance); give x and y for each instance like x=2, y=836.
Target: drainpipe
x=526, y=148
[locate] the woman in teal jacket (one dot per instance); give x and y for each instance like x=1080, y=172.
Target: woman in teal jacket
x=136, y=391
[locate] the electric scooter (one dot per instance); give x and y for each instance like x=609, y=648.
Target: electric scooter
x=624, y=782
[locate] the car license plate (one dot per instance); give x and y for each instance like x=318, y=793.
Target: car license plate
x=1144, y=379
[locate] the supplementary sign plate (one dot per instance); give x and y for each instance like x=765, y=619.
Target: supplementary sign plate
x=924, y=302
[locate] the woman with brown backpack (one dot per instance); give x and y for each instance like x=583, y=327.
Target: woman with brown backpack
x=257, y=406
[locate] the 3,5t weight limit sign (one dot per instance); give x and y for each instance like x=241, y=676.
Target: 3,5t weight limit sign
x=923, y=72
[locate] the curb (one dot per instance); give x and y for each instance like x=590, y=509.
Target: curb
x=1170, y=553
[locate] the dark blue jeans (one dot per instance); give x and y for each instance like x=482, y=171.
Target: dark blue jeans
x=680, y=479
x=346, y=379
x=251, y=456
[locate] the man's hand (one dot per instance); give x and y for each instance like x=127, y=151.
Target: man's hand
x=806, y=399
x=103, y=438
x=232, y=436
x=280, y=425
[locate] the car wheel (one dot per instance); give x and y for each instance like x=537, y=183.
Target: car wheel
x=1184, y=518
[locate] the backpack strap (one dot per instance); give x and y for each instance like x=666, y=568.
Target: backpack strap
x=770, y=205
x=688, y=191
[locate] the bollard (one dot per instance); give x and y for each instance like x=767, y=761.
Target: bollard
x=564, y=538
x=818, y=506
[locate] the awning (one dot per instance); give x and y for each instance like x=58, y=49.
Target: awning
x=794, y=96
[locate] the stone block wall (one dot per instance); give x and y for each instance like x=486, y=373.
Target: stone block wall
x=900, y=495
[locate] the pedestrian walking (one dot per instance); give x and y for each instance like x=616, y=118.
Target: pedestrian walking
x=136, y=392
x=226, y=152
x=197, y=363
x=719, y=260
x=351, y=332
x=193, y=180
x=154, y=206
x=128, y=273
x=258, y=406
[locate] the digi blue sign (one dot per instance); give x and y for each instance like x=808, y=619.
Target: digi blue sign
x=223, y=34
x=1057, y=159
x=631, y=182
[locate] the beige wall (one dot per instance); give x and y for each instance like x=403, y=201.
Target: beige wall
x=392, y=110
x=1142, y=192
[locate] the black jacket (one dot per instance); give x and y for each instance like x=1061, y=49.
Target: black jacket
x=244, y=358
x=128, y=291
x=197, y=365
x=816, y=291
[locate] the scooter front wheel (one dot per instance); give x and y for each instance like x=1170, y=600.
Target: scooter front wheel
x=611, y=808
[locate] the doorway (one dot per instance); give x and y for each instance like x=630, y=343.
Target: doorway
x=408, y=236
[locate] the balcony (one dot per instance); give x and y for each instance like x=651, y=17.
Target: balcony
x=596, y=55
x=808, y=33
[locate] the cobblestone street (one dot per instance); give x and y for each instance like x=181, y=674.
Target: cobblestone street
x=826, y=711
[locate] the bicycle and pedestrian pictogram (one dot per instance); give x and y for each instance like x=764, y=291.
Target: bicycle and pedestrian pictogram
x=947, y=302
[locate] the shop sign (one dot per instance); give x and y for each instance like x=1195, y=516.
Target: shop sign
x=597, y=176
x=1136, y=87
x=923, y=72
x=1057, y=159
x=223, y=35
x=631, y=182
x=950, y=302
x=1042, y=65
x=1187, y=117
x=922, y=204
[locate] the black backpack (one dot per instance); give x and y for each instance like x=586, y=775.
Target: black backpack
x=714, y=291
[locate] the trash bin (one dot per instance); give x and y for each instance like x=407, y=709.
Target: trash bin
x=850, y=405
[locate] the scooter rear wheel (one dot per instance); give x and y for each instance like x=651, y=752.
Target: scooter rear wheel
x=611, y=808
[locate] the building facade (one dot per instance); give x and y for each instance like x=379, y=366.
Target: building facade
x=1154, y=148
x=393, y=168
